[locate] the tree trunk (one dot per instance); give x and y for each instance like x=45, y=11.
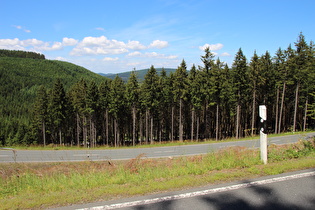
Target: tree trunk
x=180, y=120
x=107, y=129
x=151, y=130
x=118, y=134
x=172, y=126
x=197, y=128
x=237, y=121
x=44, y=132
x=60, y=139
x=305, y=114
x=192, y=124
x=277, y=111
x=238, y=116
x=133, y=125
x=296, y=106
x=217, y=124
x=253, y=111
x=84, y=131
x=146, y=126
x=115, y=132
x=91, y=133
x=78, y=130
x=281, y=107
x=141, y=129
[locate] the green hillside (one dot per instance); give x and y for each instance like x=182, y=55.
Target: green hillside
x=140, y=73
x=20, y=79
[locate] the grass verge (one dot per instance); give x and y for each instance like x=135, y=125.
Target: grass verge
x=155, y=144
x=43, y=185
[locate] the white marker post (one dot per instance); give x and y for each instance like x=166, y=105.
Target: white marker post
x=263, y=135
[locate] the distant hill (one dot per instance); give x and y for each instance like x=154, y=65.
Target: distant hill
x=140, y=73
x=21, y=75
x=20, y=78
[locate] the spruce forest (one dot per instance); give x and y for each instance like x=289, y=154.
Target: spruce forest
x=211, y=101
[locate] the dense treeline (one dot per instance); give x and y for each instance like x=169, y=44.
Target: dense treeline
x=209, y=101
x=21, y=54
x=20, y=79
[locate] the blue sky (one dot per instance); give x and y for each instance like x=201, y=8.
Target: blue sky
x=119, y=35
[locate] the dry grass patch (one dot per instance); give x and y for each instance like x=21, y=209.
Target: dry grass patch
x=42, y=185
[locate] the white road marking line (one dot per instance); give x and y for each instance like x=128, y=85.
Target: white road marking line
x=85, y=155
x=164, y=151
x=204, y=192
x=4, y=155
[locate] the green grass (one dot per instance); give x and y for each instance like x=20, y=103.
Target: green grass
x=156, y=144
x=43, y=185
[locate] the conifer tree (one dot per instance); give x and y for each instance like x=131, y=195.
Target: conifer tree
x=301, y=72
x=132, y=97
x=281, y=73
x=58, y=109
x=195, y=96
x=171, y=100
x=240, y=81
x=92, y=111
x=165, y=101
x=228, y=100
x=290, y=66
x=41, y=112
x=254, y=78
x=149, y=99
x=117, y=107
x=78, y=95
x=207, y=88
x=180, y=93
x=104, y=91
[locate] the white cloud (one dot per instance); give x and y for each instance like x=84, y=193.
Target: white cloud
x=69, y=41
x=151, y=55
x=215, y=53
x=18, y=27
x=103, y=46
x=133, y=64
x=225, y=54
x=212, y=47
x=16, y=44
x=32, y=42
x=157, y=55
x=172, y=57
x=110, y=59
x=99, y=46
x=134, y=54
x=11, y=44
x=35, y=44
x=158, y=44
x=100, y=29
x=22, y=28
x=56, y=46
x=59, y=58
x=135, y=45
x=45, y=46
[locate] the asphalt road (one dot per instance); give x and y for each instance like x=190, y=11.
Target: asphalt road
x=294, y=190
x=7, y=155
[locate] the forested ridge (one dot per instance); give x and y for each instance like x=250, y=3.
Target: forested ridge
x=21, y=76
x=208, y=101
x=140, y=74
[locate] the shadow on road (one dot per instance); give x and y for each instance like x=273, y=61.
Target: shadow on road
x=260, y=197
x=254, y=197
